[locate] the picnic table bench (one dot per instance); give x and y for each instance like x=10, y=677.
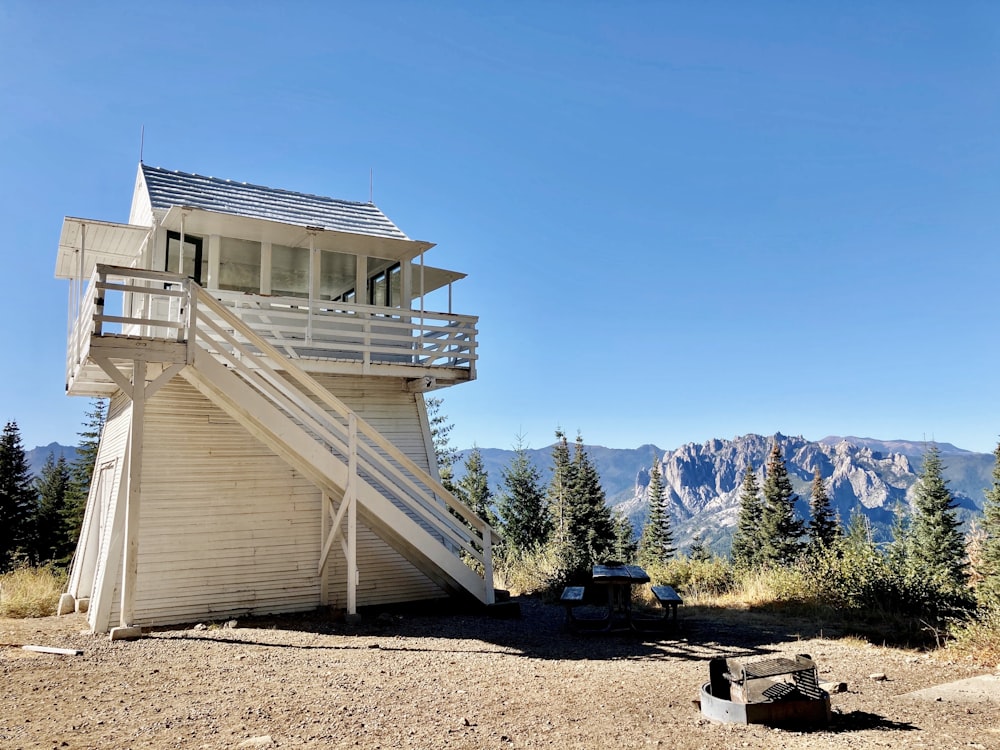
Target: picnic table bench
x=572, y=596
x=668, y=599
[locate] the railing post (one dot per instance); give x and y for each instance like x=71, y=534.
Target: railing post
x=102, y=278
x=192, y=320
x=488, y=564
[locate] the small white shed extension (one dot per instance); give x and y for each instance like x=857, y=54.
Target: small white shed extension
x=267, y=446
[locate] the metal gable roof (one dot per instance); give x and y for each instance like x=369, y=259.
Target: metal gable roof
x=168, y=188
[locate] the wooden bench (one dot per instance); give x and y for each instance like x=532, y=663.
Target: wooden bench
x=668, y=599
x=572, y=596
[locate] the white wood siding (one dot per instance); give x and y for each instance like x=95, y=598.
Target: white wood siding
x=228, y=528
x=102, y=507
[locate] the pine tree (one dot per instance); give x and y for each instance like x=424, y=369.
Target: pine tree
x=560, y=486
x=656, y=545
x=521, y=505
x=988, y=591
x=698, y=551
x=781, y=528
x=590, y=533
x=52, y=488
x=625, y=546
x=938, y=545
x=823, y=530
x=82, y=471
x=747, y=541
x=445, y=453
x=17, y=498
x=474, y=487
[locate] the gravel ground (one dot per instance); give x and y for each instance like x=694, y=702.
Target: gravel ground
x=456, y=681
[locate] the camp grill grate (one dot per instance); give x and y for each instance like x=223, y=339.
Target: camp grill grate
x=783, y=679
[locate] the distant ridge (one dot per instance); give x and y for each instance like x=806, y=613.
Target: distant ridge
x=37, y=456
x=906, y=447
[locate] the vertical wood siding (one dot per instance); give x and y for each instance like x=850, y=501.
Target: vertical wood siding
x=102, y=504
x=227, y=528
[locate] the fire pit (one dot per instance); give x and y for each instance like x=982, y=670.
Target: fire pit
x=776, y=692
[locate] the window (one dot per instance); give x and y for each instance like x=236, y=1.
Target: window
x=337, y=275
x=187, y=260
x=289, y=271
x=239, y=265
x=385, y=287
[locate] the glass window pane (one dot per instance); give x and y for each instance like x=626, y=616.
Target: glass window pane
x=239, y=265
x=338, y=274
x=395, y=286
x=290, y=271
x=187, y=261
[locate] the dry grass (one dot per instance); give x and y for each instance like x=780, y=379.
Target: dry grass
x=526, y=572
x=978, y=639
x=30, y=592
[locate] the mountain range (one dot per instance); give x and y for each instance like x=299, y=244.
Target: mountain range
x=702, y=481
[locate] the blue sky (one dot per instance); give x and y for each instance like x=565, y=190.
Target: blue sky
x=679, y=220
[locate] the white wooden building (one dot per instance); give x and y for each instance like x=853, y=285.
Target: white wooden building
x=267, y=446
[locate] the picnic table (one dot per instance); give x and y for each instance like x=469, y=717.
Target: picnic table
x=617, y=581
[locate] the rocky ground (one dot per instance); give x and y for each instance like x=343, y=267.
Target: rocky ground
x=458, y=681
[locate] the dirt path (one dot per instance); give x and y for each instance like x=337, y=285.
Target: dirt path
x=459, y=681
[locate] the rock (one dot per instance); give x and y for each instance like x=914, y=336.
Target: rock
x=262, y=741
x=200, y=626
x=834, y=687
x=231, y=625
x=878, y=677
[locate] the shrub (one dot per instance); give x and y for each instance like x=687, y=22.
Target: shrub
x=31, y=592
x=693, y=579
x=978, y=638
x=527, y=571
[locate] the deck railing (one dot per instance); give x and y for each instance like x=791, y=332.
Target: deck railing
x=345, y=331
x=135, y=303
x=151, y=304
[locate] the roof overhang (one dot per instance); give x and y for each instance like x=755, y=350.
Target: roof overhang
x=200, y=222
x=84, y=243
x=433, y=279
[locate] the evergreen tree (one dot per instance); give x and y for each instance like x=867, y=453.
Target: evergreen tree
x=625, y=546
x=17, y=497
x=557, y=496
x=938, y=545
x=52, y=488
x=781, y=528
x=747, y=541
x=521, y=505
x=698, y=551
x=441, y=429
x=656, y=545
x=474, y=487
x=823, y=530
x=988, y=591
x=590, y=532
x=82, y=471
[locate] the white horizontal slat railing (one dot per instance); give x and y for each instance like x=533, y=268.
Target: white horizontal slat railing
x=365, y=333
x=213, y=330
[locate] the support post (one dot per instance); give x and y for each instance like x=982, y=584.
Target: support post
x=350, y=497
x=130, y=564
x=324, y=530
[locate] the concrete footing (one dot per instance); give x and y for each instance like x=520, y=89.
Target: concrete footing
x=67, y=604
x=129, y=633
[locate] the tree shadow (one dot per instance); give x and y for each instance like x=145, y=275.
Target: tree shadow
x=857, y=721
x=540, y=632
